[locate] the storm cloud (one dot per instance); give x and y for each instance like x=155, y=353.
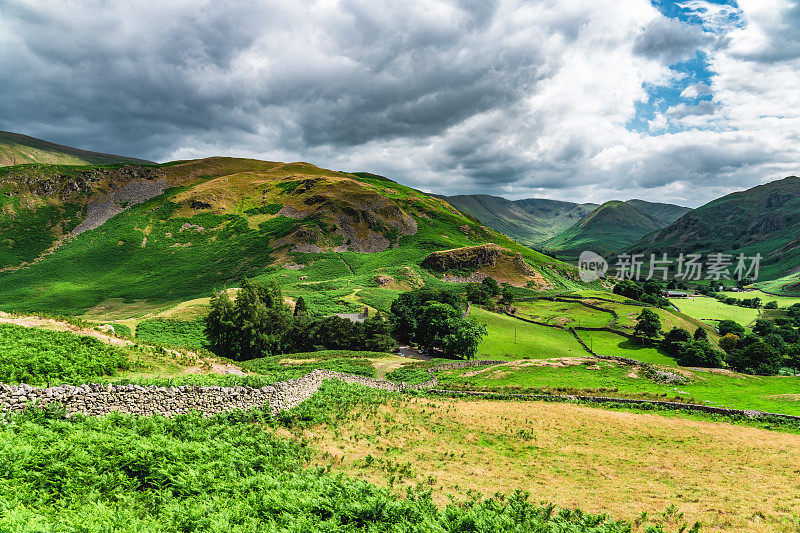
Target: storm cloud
x=513, y=98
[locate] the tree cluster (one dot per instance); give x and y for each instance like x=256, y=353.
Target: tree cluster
x=259, y=324
x=434, y=319
x=648, y=293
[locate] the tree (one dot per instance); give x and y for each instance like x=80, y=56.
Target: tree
x=755, y=357
x=771, y=305
x=405, y=310
x=648, y=325
x=653, y=288
x=699, y=354
x=490, y=283
x=478, y=293
x=464, y=341
x=729, y=326
x=443, y=328
x=674, y=339
x=729, y=342
x=508, y=296
x=628, y=289
x=261, y=320
x=793, y=357
x=300, y=307
x=220, y=327
x=700, y=334
x=763, y=327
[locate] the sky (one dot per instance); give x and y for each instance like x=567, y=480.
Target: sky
x=580, y=100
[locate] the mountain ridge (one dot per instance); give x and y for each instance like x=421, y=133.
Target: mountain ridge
x=614, y=225
x=19, y=149
x=763, y=219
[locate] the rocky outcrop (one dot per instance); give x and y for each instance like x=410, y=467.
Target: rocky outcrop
x=469, y=257
x=101, y=209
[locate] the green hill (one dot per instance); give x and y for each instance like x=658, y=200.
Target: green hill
x=665, y=214
x=763, y=219
x=613, y=226
x=17, y=149
x=531, y=221
x=136, y=236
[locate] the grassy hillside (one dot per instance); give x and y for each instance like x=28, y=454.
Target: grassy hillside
x=612, y=226
x=763, y=220
x=531, y=221
x=17, y=149
x=665, y=214
x=220, y=219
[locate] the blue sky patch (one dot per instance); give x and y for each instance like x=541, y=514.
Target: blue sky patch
x=692, y=72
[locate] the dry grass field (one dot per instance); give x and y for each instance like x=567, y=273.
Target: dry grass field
x=728, y=477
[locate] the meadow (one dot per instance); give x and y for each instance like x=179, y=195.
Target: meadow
x=676, y=470
x=509, y=338
x=722, y=388
x=607, y=343
x=711, y=310
x=783, y=301
x=563, y=314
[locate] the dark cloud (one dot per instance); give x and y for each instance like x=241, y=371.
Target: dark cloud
x=451, y=95
x=670, y=40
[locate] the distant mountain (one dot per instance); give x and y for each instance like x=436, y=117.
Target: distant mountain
x=17, y=149
x=531, y=221
x=613, y=226
x=764, y=219
x=665, y=214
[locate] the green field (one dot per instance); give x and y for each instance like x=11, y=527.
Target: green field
x=564, y=314
x=607, y=343
x=777, y=394
x=710, y=310
x=509, y=338
x=783, y=301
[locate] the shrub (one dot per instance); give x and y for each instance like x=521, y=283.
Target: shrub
x=172, y=332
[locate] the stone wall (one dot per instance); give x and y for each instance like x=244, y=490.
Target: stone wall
x=168, y=401
x=94, y=400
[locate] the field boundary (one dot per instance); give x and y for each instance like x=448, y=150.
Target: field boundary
x=98, y=400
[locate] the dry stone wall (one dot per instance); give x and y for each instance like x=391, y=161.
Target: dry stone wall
x=95, y=400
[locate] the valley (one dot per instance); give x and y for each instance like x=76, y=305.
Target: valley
x=114, y=288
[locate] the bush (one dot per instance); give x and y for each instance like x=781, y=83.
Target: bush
x=228, y=473
x=173, y=332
